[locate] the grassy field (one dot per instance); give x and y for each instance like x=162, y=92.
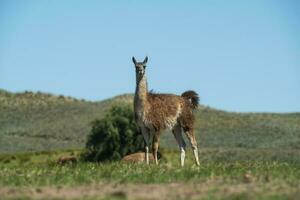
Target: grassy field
x=243, y=155
x=223, y=174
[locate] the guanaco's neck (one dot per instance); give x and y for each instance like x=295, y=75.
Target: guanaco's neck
x=141, y=91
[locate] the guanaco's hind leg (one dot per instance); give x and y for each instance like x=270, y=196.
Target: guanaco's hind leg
x=155, y=145
x=191, y=136
x=178, y=136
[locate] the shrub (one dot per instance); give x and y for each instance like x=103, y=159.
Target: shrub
x=114, y=136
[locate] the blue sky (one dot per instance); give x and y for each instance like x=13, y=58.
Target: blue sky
x=238, y=55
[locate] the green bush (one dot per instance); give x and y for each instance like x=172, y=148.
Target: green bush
x=114, y=136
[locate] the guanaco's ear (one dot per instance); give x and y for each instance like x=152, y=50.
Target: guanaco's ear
x=145, y=60
x=133, y=60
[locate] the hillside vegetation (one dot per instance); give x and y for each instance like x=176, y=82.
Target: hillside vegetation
x=40, y=122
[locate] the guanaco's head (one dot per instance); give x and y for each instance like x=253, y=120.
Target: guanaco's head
x=140, y=67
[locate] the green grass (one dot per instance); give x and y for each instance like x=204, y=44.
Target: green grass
x=222, y=172
x=266, y=174
x=41, y=169
x=89, y=173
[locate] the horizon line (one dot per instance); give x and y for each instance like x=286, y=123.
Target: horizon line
x=123, y=94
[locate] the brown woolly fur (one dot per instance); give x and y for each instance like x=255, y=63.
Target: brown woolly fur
x=162, y=107
x=157, y=112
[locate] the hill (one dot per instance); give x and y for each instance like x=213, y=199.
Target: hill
x=40, y=122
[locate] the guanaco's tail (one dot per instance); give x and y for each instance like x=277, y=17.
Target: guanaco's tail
x=192, y=96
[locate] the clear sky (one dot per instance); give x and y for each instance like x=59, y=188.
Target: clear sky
x=238, y=55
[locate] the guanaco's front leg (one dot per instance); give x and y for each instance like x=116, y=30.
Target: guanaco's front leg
x=155, y=145
x=146, y=135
